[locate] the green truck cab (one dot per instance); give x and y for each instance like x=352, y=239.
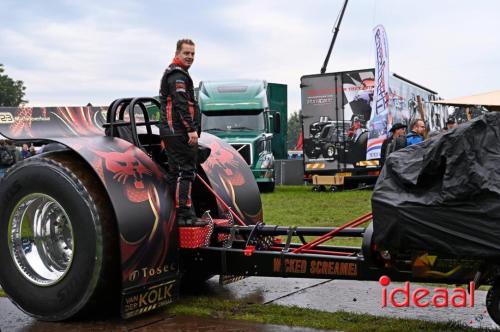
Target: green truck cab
x=251, y=115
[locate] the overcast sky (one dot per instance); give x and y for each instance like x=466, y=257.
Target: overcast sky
x=75, y=52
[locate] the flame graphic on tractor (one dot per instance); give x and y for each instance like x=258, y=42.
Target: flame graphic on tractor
x=131, y=170
x=225, y=160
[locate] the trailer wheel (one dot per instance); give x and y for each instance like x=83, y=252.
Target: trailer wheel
x=58, y=244
x=318, y=188
x=493, y=301
x=335, y=188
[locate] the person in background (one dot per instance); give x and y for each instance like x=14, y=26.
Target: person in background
x=13, y=150
x=416, y=134
x=32, y=150
x=25, y=151
x=451, y=123
x=6, y=158
x=394, y=142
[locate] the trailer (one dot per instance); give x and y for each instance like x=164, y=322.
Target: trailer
x=342, y=135
x=89, y=227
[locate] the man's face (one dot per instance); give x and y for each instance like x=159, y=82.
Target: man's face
x=419, y=128
x=450, y=126
x=186, y=55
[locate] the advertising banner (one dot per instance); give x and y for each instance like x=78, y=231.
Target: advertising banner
x=378, y=121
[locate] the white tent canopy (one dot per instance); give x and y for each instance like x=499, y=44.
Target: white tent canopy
x=490, y=100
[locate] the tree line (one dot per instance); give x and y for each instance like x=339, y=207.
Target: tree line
x=11, y=91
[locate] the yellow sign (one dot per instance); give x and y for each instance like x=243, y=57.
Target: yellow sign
x=344, y=174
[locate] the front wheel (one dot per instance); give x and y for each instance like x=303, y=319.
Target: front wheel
x=58, y=244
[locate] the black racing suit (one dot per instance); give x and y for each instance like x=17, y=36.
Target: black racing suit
x=179, y=115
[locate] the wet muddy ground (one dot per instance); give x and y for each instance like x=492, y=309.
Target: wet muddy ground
x=326, y=295
x=11, y=319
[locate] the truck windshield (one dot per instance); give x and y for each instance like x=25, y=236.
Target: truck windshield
x=249, y=120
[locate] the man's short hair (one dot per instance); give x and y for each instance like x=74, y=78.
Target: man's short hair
x=414, y=123
x=180, y=42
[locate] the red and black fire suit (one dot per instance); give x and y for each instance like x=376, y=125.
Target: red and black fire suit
x=179, y=115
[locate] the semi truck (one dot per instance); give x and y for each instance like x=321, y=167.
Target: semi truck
x=251, y=115
x=341, y=131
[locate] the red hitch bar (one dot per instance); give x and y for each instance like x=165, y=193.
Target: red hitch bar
x=354, y=223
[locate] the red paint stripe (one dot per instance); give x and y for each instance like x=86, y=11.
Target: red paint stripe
x=191, y=109
x=177, y=187
x=188, y=203
x=169, y=114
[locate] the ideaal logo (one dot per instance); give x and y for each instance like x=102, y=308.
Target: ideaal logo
x=439, y=297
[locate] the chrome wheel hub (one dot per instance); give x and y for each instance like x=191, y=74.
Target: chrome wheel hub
x=41, y=239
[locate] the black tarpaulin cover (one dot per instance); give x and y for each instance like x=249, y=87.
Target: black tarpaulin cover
x=443, y=195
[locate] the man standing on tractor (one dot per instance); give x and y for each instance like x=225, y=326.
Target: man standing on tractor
x=180, y=130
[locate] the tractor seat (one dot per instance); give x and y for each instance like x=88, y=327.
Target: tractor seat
x=122, y=130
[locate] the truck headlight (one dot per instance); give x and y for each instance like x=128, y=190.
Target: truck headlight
x=267, y=162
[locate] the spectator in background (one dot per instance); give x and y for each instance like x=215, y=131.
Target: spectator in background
x=32, y=150
x=6, y=158
x=416, y=134
x=451, y=123
x=13, y=150
x=25, y=151
x=394, y=142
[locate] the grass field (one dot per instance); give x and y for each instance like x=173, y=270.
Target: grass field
x=299, y=206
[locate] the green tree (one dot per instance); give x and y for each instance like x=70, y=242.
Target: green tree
x=11, y=92
x=294, y=129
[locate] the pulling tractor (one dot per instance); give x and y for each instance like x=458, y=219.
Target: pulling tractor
x=88, y=226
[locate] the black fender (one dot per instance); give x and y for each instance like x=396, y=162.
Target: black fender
x=232, y=179
x=141, y=202
x=135, y=184
x=144, y=208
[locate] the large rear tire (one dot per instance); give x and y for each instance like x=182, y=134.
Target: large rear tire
x=58, y=239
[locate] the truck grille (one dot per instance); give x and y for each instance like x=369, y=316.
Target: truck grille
x=245, y=151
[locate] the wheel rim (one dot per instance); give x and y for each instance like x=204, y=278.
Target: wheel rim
x=41, y=239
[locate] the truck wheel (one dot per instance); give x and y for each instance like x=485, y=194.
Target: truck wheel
x=58, y=246
x=266, y=187
x=493, y=301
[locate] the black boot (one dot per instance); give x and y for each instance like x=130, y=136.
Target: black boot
x=187, y=218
